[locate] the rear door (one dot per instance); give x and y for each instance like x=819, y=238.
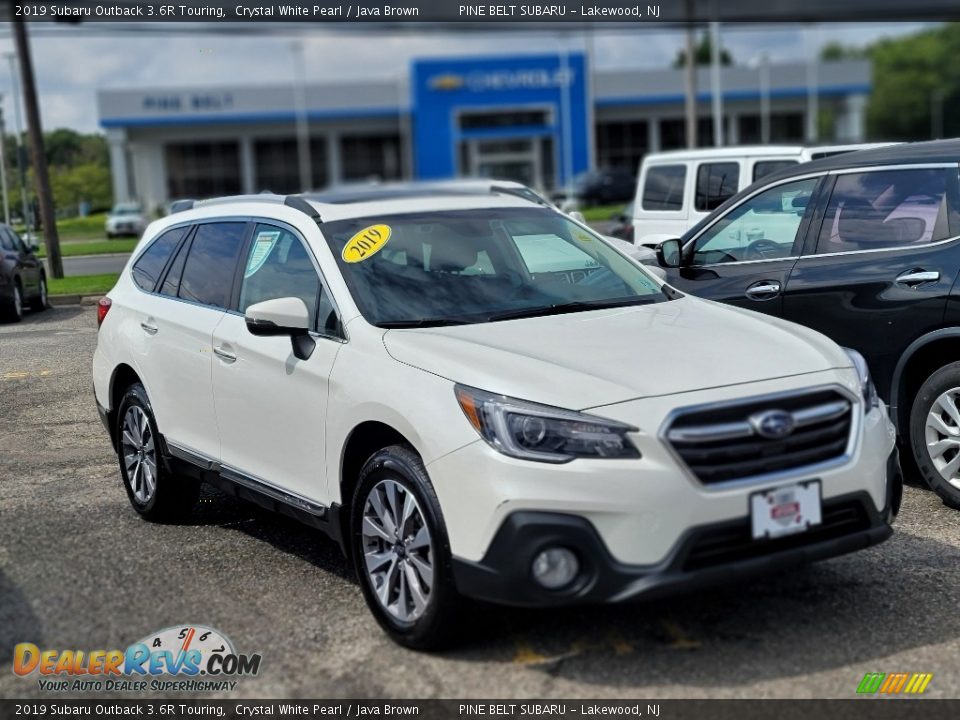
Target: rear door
x=745, y=256
x=178, y=321
x=660, y=207
x=879, y=263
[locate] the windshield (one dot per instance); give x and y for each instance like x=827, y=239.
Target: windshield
x=126, y=210
x=485, y=265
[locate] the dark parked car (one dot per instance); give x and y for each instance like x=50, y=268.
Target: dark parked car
x=23, y=280
x=602, y=187
x=865, y=248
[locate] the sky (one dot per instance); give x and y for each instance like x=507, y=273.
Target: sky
x=72, y=65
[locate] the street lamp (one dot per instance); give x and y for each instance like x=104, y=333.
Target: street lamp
x=18, y=128
x=762, y=63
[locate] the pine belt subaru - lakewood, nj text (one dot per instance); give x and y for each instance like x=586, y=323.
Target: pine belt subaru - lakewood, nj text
x=478, y=396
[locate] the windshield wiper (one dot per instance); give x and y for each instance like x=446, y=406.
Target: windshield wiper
x=421, y=323
x=567, y=307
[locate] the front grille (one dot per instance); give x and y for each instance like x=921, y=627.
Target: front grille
x=734, y=543
x=728, y=442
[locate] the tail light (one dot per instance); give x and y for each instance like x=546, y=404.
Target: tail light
x=103, y=307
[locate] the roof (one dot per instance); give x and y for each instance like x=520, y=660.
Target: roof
x=736, y=151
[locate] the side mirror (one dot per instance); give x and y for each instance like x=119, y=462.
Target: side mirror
x=33, y=246
x=578, y=216
x=668, y=253
x=283, y=316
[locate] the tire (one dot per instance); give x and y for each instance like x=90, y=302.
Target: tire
x=935, y=423
x=424, y=621
x=154, y=491
x=11, y=309
x=39, y=303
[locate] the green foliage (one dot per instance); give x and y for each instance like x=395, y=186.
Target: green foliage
x=701, y=53
x=82, y=284
x=833, y=51
x=910, y=75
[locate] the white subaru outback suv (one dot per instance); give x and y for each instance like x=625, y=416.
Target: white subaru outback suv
x=477, y=396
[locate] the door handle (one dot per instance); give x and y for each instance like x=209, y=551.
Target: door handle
x=763, y=290
x=912, y=278
x=224, y=355
x=149, y=329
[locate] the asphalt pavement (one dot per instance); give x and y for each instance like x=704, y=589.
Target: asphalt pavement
x=80, y=570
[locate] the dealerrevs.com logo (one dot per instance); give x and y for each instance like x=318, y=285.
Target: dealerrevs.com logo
x=181, y=658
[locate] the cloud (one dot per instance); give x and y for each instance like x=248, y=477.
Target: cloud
x=73, y=64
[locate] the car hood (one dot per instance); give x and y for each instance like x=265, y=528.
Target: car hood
x=600, y=357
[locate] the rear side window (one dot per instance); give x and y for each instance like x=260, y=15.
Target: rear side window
x=171, y=283
x=768, y=167
x=212, y=264
x=663, y=187
x=149, y=266
x=716, y=183
x=886, y=208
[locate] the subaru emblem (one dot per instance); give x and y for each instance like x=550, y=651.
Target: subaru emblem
x=773, y=424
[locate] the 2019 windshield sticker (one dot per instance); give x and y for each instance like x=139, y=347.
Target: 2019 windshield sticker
x=366, y=243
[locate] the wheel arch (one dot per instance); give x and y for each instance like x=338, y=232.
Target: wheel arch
x=122, y=377
x=922, y=357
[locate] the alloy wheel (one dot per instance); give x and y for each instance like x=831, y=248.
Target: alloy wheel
x=942, y=434
x=398, y=551
x=139, y=454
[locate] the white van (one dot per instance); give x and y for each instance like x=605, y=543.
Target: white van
x=677, y=189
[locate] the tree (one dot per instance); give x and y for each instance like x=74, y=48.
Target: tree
x=912, y=77
x=834, y=51
x=702, y=53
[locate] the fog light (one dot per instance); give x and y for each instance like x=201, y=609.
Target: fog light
x=555, y=567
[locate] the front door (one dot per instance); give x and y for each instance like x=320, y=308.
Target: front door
x=271, y=406
x=744, y=258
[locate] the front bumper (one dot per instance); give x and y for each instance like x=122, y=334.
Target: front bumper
x=706, y=555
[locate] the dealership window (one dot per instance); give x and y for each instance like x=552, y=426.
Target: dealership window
x=277, y=164
x=203, y=169
x=888, y=208
x=366, y=157
x=621, y=144
x=517, y=118
x=673, y=133
x=784, y=128
x=716, y=183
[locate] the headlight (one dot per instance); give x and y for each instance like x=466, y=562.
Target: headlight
x=867, y=389
x=539, y=432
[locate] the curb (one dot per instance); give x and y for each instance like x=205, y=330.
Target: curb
x=60, y=300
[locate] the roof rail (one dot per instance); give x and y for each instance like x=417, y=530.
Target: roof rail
x=293, y=201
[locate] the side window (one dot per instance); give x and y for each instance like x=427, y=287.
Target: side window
x=886, y=208
x=663, y=187
x=212, y=263
x=147, y=268
x=18, y=244
x=171, y=283
x=767, y=167
x=6, y=240
x=716, y=183
x=278, y=265
x=761, y=228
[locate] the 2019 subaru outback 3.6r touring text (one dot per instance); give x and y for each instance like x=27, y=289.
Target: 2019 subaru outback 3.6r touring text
x=478, y=396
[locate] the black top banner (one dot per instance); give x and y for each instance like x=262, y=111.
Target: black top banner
x=552, y=12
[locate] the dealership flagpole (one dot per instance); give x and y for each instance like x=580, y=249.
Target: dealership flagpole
x=3, y=166
x=18, y=132
x=716, y=92
x=566, y=138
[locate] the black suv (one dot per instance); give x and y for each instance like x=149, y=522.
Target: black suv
x=865, y=248
x=22, y=277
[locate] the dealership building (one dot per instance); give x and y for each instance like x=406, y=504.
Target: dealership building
x=534, y=118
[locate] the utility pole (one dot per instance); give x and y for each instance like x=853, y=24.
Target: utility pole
x=716, y=92
x=3, y=166
x=302, y=121
x=35, y=130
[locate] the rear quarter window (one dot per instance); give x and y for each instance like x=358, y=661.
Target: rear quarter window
x=663, y=187
x=149, y=266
